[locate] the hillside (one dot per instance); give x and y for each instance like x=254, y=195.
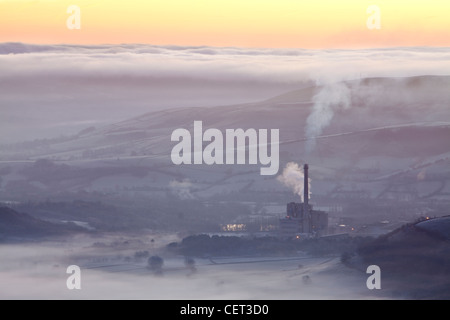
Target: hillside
x=378, y=151
x=21, y=226
x=374, y=108
x=414, y=259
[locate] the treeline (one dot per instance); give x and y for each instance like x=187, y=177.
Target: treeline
x=162, y=214
x=204, y=245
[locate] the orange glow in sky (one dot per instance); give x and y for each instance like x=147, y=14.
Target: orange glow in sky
x=241, y=23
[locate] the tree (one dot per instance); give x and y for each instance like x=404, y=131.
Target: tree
x=190, y=265
x=155, y=263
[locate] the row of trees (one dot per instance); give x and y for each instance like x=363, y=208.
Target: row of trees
x=156, y=263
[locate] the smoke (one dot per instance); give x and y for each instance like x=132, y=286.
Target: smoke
x=182, y=188
x=421, y=175
x=293, y=177
x=331, y=98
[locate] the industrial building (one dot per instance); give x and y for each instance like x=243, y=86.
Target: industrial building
x=301, y=219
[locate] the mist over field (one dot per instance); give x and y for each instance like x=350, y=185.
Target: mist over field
x=86, y=176
x=38, y=271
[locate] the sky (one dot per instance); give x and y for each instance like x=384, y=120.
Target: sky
x=112, y=60
x=318, y=24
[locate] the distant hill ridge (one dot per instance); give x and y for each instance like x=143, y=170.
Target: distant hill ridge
x=17, y=225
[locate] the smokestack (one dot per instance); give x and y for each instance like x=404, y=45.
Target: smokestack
x=306, y=186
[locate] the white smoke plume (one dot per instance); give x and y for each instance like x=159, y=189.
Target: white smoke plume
x=182, y=188
x=293, y=177
x=331, y=98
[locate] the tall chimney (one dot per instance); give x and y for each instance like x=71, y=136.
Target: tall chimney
x=306, y=186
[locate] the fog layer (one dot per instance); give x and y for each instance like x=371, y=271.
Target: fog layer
x=49, y=90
